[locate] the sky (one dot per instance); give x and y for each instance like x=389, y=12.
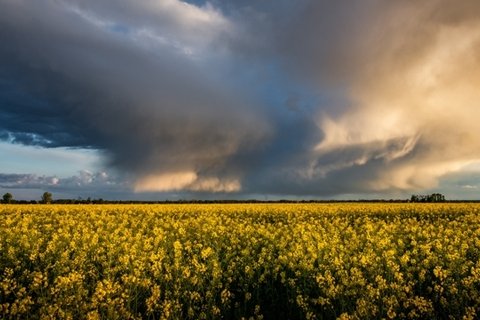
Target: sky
x=224, y=99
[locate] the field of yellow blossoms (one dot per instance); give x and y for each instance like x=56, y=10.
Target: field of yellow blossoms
x=252, y=261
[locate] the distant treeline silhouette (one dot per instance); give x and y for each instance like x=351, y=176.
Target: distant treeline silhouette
x=434, y=197
x=189, y=201
x=48, y=198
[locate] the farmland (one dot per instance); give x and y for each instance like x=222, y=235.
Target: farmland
x=257, y=261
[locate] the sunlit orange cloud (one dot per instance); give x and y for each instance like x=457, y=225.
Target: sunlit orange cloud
x=186, y=180
x=417, y=98
x=166, y=182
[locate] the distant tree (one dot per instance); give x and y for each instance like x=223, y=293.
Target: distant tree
x=46, y=197
x=7, y=197
x=434, y=197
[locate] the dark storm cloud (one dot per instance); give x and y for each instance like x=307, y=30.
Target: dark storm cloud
x=69, y=80
x=280, y=97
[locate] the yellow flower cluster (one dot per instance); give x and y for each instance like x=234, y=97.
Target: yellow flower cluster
x=240, y=261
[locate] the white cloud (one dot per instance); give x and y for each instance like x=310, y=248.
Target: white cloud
x=189, y=29
x=84, y=179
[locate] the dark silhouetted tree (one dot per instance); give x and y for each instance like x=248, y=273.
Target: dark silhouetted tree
x=434, y=197
x=7, y=197
x=46, y=197
x=415, y=198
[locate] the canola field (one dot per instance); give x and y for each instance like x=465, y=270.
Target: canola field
x=250, y=261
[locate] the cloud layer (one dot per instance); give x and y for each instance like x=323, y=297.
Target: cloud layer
x=84, y=179
x=303, y=98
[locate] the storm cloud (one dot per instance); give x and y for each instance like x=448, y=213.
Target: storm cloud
x=288, y=98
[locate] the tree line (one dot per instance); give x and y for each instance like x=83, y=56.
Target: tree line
x=46, y=198
x=434, y=197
